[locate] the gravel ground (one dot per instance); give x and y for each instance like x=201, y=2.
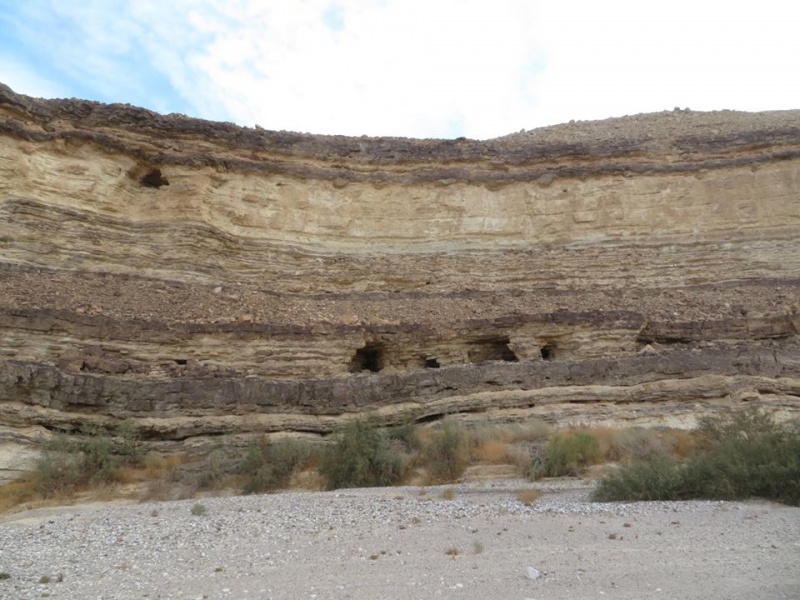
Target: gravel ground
x=405, y=543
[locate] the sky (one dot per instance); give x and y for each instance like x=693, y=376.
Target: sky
x=410, y=68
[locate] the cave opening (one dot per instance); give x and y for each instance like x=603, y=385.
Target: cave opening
x=432, y=363
x=153, y=179
x=548, y=351
x=369, y=358
x=492, y=349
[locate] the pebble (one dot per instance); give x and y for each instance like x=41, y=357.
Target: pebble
x=109, y=552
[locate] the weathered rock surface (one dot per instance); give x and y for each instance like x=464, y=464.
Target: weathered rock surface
x=203, y=278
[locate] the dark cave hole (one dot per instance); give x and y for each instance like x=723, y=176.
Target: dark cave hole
x=492, y=349
x=548, y=351
x=181, y=361
x=432, y=363
x=154, y=179
x=368, y=358
x=429, y=419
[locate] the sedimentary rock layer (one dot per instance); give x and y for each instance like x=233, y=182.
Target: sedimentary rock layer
x=200, y=277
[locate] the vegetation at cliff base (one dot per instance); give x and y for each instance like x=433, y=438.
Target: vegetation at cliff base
x=73, y=461
x=738, y=455
x=362, y=457
x=269, y=466
x=744, y=454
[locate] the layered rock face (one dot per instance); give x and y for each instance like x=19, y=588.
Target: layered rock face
x=201, y=278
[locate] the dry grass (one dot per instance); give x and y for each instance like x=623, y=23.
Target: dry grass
x=155, y=466
x=152, y=480
x=637, y=443
x=682, y=443
x=507, y=443
x=445, y=454
x=17, y=492
x=433, y=454
x=307, y=479
x=493, y=452
x=532, y=430
x=528, y=496
x=448, y=494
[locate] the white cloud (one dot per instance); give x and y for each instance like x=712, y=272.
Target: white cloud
x=401, y=67
x=616, y=57
x=424, y=67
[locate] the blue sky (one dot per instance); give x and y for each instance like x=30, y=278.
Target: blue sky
x=419, y=68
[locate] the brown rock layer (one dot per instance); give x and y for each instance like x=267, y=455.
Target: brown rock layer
x=203, y=278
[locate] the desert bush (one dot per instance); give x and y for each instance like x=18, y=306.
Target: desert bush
x=742, y=463
x=746, y=454
x=407, y=435
x=90, y=456
x=528, y=496
x=637, y=443
x=532, y=430
x=216, y=470
x=493, y=452
x=154, y=461
x=747, y=424
x=17, y=491
x=566, y=454
x=198, y=509
x=448, y=494
x=486, y=432
x=128, y=444
x=361, y=457
x=270, y=466
x=447, y=453
x=653, y=479
x=72, y=461
x=490, y=444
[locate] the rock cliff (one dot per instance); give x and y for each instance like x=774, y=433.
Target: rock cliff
x=201, y=278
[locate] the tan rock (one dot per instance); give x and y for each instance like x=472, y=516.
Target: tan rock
x=203, y=279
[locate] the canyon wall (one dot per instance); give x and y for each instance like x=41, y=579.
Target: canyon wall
x=200, y=278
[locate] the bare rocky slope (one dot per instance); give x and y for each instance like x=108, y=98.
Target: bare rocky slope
x=204, y=279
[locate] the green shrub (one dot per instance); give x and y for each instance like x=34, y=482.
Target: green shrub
x=270, y=466
x=747, y=424
x=361, y=457
x=765, y=465
x=71, y=461
x=199, y=509
x=407, y=435
x=566, y=454
x=216, y=470
x=128, y=444
x=637, y=443
x=653, y=479
x=747, y=454
x=154, y=461
x=447, y=453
